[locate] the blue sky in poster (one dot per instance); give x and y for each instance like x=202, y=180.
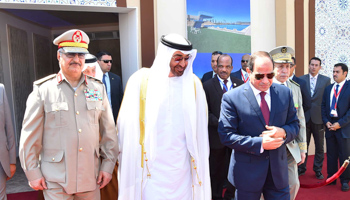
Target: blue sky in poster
x=229, y=10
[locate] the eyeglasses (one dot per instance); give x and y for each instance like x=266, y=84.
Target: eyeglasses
x=107, y=61
x=72, y=55
x=261, y=76
x=178, y=59
x=244, y=61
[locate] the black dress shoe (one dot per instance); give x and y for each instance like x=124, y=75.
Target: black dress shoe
x=300, y=172
x=319, y=175
x=344, y=187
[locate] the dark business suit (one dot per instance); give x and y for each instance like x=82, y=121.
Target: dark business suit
x=219, y=154
x=116, y=93
x=314, y=123
x=207, y=76
x=338, y=142
x=237, y=74
x=304, y=93
x=240, y=124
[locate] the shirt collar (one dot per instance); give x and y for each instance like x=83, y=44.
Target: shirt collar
x=313, y=76
x=340, y=84
x=243, y=72
x=222, y=80
x=60, y=77
x=278, y=82
x=256, y=91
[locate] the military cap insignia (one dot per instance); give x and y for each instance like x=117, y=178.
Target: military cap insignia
x=77, y=37
x=284, y=49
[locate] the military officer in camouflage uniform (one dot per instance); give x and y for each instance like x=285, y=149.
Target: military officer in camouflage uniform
x=68, y=125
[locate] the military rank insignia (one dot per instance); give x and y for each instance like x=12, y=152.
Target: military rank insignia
x=92, y=95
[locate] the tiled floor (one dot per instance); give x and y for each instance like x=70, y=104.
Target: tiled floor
x=19, y=182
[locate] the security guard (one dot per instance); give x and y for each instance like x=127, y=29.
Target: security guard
x=296, y=149
x=66, y=114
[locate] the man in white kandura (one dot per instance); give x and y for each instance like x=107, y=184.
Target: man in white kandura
x=162, y=127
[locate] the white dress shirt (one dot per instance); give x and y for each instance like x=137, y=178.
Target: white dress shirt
x=108, y=88
x=228, y=84
x=341, y=84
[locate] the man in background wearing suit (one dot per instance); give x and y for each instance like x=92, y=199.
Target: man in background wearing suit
x=296, y=150
x=112, y=82
x=257, y=120
x=219, y=154
x=315, y=84
x=211, y=74
x=303, y=87
x=336, y=118
x=7, y=143
x=242, y=73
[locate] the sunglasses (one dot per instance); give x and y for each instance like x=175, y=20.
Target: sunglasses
x=107, y=61
x=72, y=55
x=178, y=59
x=244, y=61
x=261, y=76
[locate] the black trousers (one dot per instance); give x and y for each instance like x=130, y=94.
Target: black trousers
x=219, y=160
x=317, y=131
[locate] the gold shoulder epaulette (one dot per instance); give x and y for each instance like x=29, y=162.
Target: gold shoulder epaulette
x=43, y=80
x=295, y=83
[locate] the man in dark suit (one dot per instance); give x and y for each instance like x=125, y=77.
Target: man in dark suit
x=112, y=82
x=303, y=88
x=257, y=120
x=7, y=143
x=242, y=73
x=219, y=154
x=336, y=118
x=315, y=84
x=214, y=58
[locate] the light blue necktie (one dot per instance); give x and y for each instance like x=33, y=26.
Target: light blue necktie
x=104, y=80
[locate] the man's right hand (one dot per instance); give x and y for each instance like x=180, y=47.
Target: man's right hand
x=38, y=184
x=269, y=143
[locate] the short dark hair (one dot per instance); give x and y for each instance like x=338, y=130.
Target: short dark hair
x=343, y=66
x=216, y=53
x=102, y=53
x=315, y=58
x=256, y=55
x=223, y=55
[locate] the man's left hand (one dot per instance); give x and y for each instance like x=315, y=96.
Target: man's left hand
x=12, y=170
x=274, y=132
x=103, y=179
x=303, y=156
x=335, y=126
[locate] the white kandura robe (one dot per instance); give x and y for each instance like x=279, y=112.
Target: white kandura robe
x=171, y=172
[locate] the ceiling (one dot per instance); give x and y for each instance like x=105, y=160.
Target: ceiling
x=56, y=19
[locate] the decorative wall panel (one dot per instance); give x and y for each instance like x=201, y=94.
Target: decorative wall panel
x=20, y=72
x=43, y=56
x=332, y=33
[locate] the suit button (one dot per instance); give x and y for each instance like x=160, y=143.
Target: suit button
x=267, y=157
x=77, y=112
x=76, y=94
x=80, y=149
x=79, y=130
x=53, y=159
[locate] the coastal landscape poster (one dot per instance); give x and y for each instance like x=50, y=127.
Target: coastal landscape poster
x=221, y=25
